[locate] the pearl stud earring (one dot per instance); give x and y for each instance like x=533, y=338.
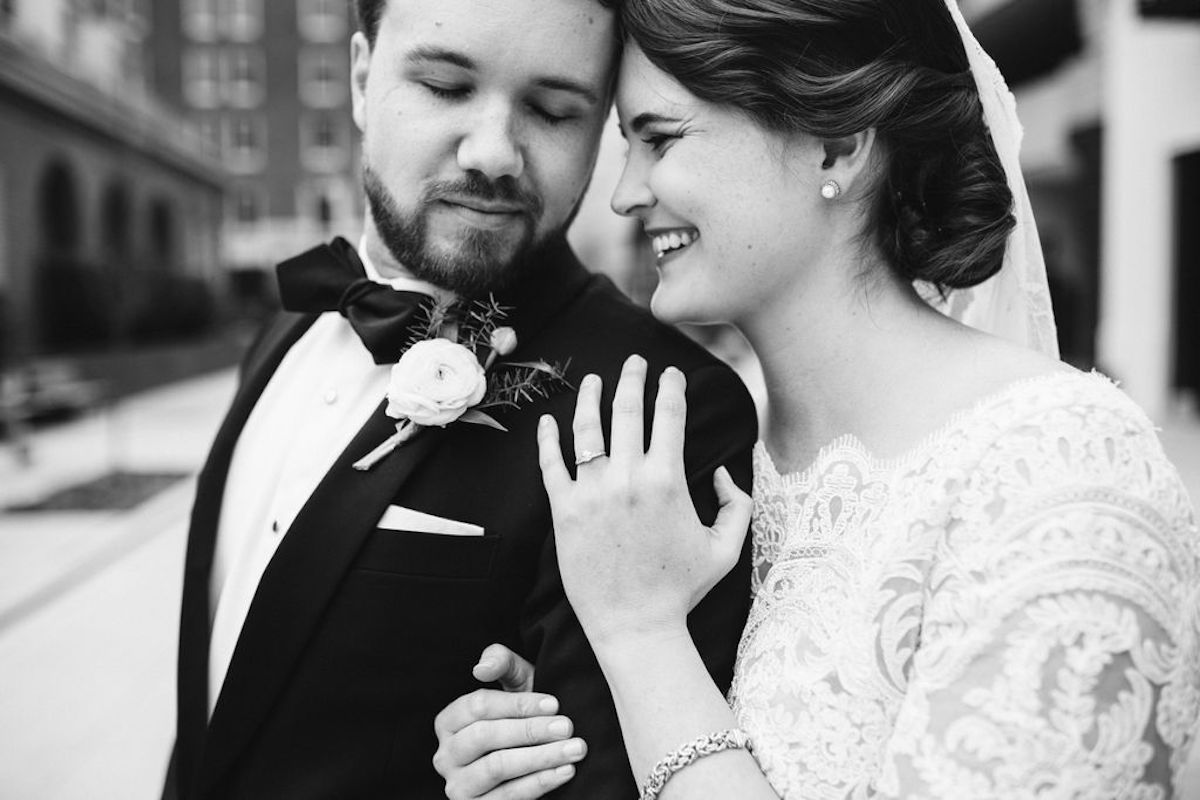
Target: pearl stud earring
x=830, y=190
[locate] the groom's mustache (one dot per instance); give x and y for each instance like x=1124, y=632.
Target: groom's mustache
x=475, y=186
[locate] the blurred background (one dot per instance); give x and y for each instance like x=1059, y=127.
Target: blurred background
x=158, y=157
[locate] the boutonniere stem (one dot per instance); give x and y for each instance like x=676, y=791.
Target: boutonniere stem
x=405, y=430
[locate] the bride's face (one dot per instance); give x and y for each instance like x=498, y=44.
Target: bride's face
x=730, y=209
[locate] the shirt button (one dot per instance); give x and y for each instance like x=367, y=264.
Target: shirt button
x=274, y=526
x=331, y=397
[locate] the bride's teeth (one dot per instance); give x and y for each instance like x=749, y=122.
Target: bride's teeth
x=664, y=243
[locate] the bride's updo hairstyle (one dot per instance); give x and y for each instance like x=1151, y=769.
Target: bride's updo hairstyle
x=833, y=68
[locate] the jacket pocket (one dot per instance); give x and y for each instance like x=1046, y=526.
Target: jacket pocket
x=431, y=555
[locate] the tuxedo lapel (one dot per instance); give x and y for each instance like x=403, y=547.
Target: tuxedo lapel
x=300, y=580
x=206, y=512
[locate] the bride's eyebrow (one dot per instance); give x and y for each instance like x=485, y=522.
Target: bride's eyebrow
x=644, y=120
x=647, y=118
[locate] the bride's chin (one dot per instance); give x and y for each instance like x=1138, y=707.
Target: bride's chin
x=673, y=309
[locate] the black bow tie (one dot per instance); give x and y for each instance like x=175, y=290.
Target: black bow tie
x=330, y=277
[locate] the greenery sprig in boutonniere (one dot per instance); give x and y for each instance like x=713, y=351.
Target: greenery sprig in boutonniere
x=438, y=381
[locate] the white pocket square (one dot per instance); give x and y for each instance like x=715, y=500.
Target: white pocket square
x=399, y=518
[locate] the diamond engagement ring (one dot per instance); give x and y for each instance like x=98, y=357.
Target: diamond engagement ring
x=588, y=455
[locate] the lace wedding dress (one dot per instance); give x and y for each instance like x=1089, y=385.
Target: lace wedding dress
x=1010, y=610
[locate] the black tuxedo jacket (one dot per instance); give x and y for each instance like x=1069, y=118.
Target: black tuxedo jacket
x=358, y=636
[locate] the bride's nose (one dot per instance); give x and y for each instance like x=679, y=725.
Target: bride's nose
x=633, y=192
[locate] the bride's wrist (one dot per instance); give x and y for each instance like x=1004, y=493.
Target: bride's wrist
x=634, y=645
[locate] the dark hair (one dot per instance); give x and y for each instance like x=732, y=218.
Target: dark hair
x=832, y=68
x=369, y=12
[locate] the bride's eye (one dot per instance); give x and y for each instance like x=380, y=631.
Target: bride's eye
x=659, y=142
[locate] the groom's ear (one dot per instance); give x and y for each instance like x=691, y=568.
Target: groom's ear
x=848, y=157
x=360, y=68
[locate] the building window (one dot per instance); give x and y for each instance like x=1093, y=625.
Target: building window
x=322, y=20
x=327, y=203
x=247, y=205
x=244, y=19
x=201, y=79
x=209, y=128
x=324, y=77
x=162, y=232
x=245, y=77
x=199, y=18
x=324, y=142
x=246, y=143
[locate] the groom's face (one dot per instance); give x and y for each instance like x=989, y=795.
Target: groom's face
x=480, y=122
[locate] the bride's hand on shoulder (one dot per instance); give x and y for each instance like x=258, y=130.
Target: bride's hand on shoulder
x=507, y=744
x=634, y=556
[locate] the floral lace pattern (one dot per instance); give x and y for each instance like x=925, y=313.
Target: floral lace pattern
x=1010, y=610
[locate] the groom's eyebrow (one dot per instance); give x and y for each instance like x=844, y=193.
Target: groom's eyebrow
x=430, y=53
x=554, y=83
x=566, y=85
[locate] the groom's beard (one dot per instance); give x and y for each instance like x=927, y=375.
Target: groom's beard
x=482, y=261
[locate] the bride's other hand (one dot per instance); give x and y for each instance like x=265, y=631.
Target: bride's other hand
x=634, y=556
x=504, y=744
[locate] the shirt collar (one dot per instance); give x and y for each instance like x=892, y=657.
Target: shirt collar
x=401, y=283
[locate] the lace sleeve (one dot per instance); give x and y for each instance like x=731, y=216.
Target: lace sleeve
x=1059, y=653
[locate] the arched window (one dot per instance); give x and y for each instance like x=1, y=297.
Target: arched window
x=58, y=209
x=114, y=216
x=162, y=233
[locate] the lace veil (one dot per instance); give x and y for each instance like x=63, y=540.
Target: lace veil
x=1015, y=302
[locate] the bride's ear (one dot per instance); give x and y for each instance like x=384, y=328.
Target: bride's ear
x=848, y=158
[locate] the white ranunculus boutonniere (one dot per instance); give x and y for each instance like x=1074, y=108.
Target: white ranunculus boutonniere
x=438, y=381
x=434, y=382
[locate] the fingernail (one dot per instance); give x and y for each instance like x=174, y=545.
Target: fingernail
x=573, y=749
x=590, y=380
x=548, y=704
x=559, y=727
x=544, y=422
x=670, y=371
x=565, y=771
x=484, y=664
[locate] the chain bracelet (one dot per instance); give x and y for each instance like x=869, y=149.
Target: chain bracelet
x=706, y=745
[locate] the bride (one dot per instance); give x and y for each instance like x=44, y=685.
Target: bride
x=976, y=573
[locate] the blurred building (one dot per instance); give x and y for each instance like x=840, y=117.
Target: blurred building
x=269, y=85
x=107, y=200
x=1109, y=93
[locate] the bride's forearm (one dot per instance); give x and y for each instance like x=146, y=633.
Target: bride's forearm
x=665, y=698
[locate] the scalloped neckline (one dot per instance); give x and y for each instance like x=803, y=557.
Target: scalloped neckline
x=850, y=442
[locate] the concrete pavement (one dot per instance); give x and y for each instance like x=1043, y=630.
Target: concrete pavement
x=89, y=601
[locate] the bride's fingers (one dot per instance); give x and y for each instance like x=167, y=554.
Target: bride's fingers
x=733, y=517
x=589, y=436
x=628, y=443
x=554, y=472
x=670, y=417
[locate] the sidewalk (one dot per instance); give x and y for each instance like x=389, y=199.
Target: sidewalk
x=89, y=601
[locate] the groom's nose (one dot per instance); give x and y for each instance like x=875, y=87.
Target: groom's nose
x=492, y=145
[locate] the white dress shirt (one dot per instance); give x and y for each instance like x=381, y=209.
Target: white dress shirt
x=323, y=392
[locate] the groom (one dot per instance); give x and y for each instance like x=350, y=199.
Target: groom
x=329, y=612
